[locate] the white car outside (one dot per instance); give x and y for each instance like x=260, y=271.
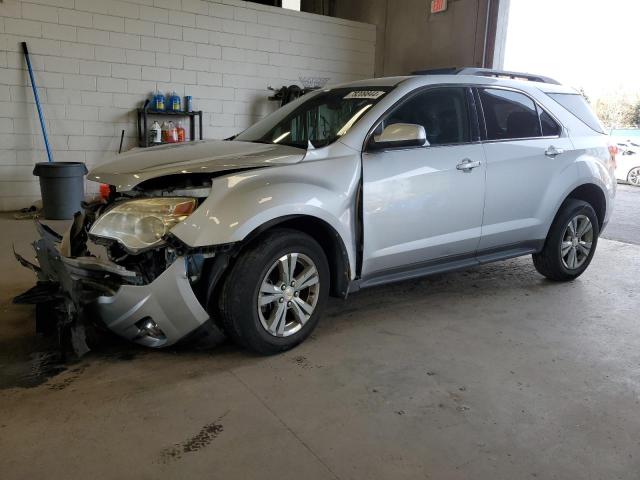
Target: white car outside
x=628, y=162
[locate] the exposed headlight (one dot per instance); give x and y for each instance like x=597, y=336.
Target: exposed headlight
x=139, y=224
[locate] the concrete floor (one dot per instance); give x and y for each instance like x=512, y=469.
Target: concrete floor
x=493, y=373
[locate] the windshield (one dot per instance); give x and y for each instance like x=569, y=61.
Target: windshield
x=320, y=118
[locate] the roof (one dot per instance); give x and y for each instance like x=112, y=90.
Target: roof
x=466, y=76
x=487, y=72
x=375, y=82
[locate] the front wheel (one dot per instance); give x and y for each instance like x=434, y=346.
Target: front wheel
x=571, y=242
x=633, y=177
x=276, y=291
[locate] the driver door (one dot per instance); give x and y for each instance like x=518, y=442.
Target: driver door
x=423, y=205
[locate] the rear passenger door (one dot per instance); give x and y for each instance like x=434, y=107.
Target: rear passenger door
x=525, y=150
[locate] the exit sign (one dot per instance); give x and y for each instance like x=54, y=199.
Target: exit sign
x=438, y=6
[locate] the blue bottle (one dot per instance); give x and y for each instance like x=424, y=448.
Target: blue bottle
x=174, y=101
x=158, y=102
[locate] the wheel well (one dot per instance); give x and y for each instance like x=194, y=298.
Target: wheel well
x=594, y=196
x=328, y=239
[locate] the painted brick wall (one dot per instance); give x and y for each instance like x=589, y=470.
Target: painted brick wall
x=97, y=60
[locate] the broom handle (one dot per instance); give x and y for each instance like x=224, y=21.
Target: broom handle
x=35, y=94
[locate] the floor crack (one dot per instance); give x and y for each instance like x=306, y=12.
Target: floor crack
x=284, y=424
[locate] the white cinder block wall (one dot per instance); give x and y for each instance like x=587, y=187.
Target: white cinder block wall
x=95, y=61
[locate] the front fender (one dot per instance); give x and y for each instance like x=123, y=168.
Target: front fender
x=242, y=202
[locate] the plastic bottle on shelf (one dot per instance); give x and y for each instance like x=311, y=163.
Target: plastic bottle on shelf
x=175, y=102
x=165, y=132
x=173, y=133
x=158, y=101
x=156, y=133
x=181, y=132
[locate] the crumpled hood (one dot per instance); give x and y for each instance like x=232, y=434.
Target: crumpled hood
x=207, y=156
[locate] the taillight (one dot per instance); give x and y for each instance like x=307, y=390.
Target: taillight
x=613, y=151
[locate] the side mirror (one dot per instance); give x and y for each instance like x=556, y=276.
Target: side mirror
x=400, y=135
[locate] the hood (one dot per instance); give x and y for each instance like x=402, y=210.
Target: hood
x=206, y=156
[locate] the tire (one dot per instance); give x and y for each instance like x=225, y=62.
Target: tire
x=258, y=275
x=633, y=177
x=556, y=261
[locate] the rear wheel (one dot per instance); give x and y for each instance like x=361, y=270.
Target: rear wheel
x=571, y=242
x=276, y=291
x=633, y=177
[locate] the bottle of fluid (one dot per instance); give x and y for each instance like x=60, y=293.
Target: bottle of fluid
x=175, y=102
x=156, y=133
x=181, y=132
x=165, y=132
x=158, y=101
x=173, y=133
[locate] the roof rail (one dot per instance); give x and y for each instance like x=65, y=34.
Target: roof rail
x=487, y=72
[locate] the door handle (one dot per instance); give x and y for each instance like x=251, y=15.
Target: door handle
x=553, y=151
x=467, y=165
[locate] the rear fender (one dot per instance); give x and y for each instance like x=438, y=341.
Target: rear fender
x=589, y=168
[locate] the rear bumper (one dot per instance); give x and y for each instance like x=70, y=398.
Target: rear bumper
x=89, y=289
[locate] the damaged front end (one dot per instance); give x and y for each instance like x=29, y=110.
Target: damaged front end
x=155, y=296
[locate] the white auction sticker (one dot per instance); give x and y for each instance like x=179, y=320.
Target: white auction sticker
x=364, y=94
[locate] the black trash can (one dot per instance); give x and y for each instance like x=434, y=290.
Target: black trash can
x=62, y=188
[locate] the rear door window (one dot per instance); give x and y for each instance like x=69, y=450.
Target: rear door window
x=509, y=115
x=578, y=106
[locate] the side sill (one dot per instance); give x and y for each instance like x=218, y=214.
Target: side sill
x=448, y=264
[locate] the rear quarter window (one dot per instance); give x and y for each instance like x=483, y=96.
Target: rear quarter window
x=578, y=106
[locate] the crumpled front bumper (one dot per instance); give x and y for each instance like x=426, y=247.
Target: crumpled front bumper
x=89, y=289
x=168, y=301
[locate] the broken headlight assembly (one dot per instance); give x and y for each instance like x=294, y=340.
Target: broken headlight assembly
x=140, y=224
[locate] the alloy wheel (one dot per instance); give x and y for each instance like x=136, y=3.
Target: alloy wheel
x=288, y=294
x=577, y=242
x=634, y=176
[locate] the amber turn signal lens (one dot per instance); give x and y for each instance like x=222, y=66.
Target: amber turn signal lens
x=184, y=208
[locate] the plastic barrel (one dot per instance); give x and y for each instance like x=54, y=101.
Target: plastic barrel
x=62, y=188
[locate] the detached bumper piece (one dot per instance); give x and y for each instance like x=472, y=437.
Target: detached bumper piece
x=73, y=294
x=156, y=315
x=65, y=286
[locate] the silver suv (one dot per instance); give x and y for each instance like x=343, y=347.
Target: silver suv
x=358, y=185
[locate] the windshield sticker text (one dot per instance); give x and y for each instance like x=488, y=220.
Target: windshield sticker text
x=372, y=94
